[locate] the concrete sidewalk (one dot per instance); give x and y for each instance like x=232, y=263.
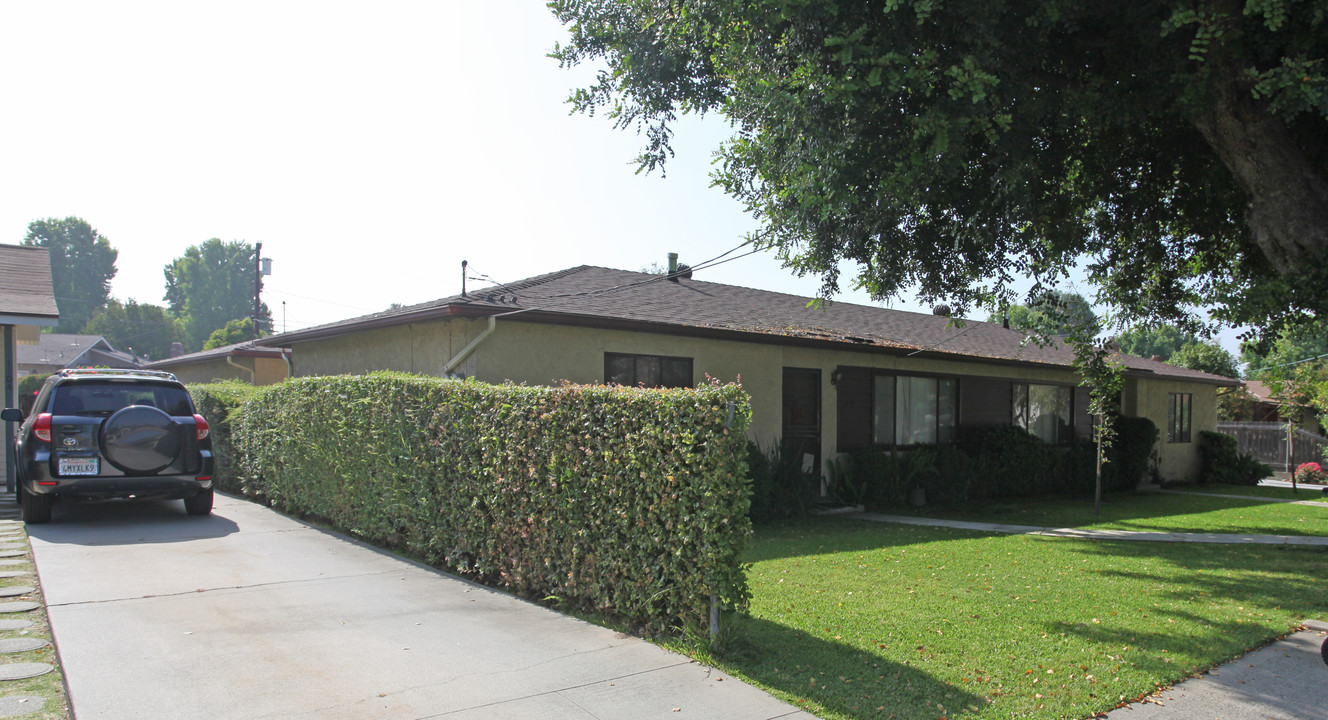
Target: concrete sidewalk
x=1286, y=680
x=248, y=614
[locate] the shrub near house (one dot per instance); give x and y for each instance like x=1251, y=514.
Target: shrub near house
x=628, y=501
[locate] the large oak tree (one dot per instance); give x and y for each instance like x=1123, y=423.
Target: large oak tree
x=82, y=265
x=1181, y=146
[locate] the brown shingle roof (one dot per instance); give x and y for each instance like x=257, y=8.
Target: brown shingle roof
x=25, y=284
x=597, y=296
x=240, y=349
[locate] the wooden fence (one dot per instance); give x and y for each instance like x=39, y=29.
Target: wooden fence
x=1272, y=443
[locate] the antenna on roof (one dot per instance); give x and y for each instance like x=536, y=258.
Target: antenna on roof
x=463, y=277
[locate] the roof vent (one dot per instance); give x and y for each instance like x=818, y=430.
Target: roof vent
x=677, y=271
x=942, y=310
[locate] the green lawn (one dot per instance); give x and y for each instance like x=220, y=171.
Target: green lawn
x=1145, y=512
x=853, y=619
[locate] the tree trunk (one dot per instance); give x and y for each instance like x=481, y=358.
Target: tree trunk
x=1288, y=210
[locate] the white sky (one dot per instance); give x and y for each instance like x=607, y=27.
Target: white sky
x=370, y=147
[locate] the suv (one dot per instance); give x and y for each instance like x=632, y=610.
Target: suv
x=99, y=433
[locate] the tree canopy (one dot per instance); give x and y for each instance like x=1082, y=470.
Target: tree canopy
x=148, y=329
x=235, y=331
x=1205, y=357
x=1294, y=365
x=954, y=145
x=82, y=265
x=1055, y=312
x=1162, y=340
x=210, y=285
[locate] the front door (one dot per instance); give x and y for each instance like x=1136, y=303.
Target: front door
x=802, y=417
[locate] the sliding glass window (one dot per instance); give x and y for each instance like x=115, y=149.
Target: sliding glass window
x=913, y=410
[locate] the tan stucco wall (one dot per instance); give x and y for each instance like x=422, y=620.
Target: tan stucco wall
x=422, y=348
x=1150, y=398
x=538, y=354
x=266, y=370
x=207, y=371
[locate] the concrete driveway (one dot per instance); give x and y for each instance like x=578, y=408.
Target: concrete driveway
x=249, y=614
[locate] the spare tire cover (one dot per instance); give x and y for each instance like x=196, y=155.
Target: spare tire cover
x=140, y=439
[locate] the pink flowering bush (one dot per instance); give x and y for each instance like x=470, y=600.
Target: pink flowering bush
x=1310, y=472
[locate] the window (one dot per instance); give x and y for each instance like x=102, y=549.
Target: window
x=1179, y=408
x=1044, y=411
x=647, y=370
x=911, y=410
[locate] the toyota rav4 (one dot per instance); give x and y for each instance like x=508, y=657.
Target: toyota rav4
x=99, y=433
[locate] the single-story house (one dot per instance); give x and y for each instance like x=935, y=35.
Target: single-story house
x=241, y=361
x=56, y=351
x=831, y=378
x=1269, y=406
x=27, y=304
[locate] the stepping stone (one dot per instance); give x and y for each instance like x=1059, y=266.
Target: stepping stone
x=21, y=671
x=13, y=573
x=6, y=625
x=23, y=644
x=20, y=706
x=7, y=547
x=10, y=561
x=18, y=606
x=16, y=590
x=13, y=553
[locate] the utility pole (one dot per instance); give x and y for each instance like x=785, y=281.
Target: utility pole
x=258, y=285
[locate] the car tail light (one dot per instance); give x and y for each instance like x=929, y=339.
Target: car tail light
x=202, y=426
x=41, y=427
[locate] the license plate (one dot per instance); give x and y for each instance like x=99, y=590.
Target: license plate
x=78, y=466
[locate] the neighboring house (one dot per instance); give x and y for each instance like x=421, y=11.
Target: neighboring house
x=830, y=378
x=241, y=361
x=1270, y=407
x=27, y=304
x=57, y=351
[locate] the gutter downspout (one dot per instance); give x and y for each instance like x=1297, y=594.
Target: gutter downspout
x=285, y=355
x=252, y=373
x=467, y=350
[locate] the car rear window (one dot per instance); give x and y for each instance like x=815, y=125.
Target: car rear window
x=87, y=398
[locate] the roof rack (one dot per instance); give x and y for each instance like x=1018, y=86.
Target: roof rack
x=125, y=372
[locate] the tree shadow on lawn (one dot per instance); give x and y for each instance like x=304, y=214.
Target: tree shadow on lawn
x=821, y=675
x=1218, y=602
x=1138, y=512
x=815, y=536
x=1285, y=576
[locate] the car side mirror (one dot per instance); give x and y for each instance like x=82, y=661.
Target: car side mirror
x=11, y=415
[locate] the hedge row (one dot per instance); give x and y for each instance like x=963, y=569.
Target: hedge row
x=628, y=501
x=217, y=402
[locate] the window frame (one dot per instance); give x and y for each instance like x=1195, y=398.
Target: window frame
x=1020, y=416
x=943, y=435
x=1180, y=418
x=663, y=360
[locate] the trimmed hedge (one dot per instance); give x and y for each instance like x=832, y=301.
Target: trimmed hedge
x=217, y=403
x=628, y=501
